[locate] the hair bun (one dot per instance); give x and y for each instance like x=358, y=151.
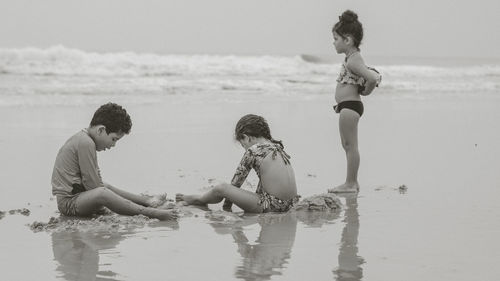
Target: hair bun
x=348, y=17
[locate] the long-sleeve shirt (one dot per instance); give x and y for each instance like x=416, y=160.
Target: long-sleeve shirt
x=252, y=159
x=76, y=163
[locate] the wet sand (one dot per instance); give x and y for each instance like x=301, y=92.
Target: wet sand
x=442, y=227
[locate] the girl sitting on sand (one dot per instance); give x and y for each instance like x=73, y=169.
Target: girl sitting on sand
x=355, y=79
x=276, y=191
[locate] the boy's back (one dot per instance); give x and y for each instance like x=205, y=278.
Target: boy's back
x=76, y=163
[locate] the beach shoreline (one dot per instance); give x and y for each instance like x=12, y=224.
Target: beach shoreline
x=439, y=149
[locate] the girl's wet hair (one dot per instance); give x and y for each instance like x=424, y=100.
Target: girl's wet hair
x=349, y=25
x=255, y=126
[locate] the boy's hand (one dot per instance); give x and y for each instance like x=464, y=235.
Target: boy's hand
x=157, y=200
x=227, y=205
x=174, y=214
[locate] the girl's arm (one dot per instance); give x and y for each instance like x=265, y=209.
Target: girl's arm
x=241, y=174
x=356, y=65
x=243, y=169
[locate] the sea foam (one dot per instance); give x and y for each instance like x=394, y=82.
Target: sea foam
x=63, y=75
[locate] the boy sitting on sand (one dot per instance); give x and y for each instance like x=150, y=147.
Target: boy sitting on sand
x=76, y=178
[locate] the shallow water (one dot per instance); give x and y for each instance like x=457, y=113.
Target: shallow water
x=443, y=227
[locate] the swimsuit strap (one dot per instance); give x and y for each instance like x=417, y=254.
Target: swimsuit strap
x=277, y=149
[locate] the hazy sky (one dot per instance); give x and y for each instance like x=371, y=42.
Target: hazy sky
x=392, y=27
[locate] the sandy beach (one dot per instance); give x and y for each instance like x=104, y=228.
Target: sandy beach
x=187, y=71
x=442, y=226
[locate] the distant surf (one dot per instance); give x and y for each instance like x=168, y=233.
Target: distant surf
x=61, y=75
x=317, y=58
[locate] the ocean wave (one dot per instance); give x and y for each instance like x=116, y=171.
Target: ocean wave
x=59, y=74
x=410, y=71
x=60, y=60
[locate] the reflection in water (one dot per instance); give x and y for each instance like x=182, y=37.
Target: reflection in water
x=78, y=254
x=272, y=249
x=269, y=254
x=349, y=268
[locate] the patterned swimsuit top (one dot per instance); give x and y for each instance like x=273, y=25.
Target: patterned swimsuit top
x=347, y=77
x=252, y=159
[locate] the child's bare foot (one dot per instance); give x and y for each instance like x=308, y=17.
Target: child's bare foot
x=187, y=199
x=161, y=214
x=345, y=188
x=168, y=215
x=157, y=200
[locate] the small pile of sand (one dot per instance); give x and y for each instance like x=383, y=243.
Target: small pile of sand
x=222, y=217
x=317, y=210
x=23, y=211
x=37, y=226
x=168, y=205
x=111, y=223
x=320, y=202
x=402, y=188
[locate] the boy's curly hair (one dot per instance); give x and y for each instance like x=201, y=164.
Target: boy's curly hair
x=114, y=117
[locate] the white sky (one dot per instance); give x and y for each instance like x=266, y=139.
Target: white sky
x=392, y=27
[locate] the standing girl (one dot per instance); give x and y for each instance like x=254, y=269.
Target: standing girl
x=355, y=80
x=276, y=191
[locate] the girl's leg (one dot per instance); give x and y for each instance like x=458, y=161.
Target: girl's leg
x=246, y=200
x=348, y=127
x=90, y=201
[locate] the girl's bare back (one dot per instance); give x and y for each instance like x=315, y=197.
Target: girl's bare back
x=278, y=178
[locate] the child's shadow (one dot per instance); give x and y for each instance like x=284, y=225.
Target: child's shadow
x=349, y=267
x=267, y=255
x=78, y=242
x=270, y=252
x=78, y=254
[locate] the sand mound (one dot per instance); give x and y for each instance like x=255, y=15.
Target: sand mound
x=23, y=211
x=317, y=210
x=320, y=202
x=111, y=223
x=222, y=217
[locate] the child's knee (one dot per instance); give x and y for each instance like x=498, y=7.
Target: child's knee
x=349, y=145
x=221, y=189
x=103, y=194
x=346, y=144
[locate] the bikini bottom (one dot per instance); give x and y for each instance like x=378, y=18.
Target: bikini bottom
x=355, y=105
x=271, y=203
